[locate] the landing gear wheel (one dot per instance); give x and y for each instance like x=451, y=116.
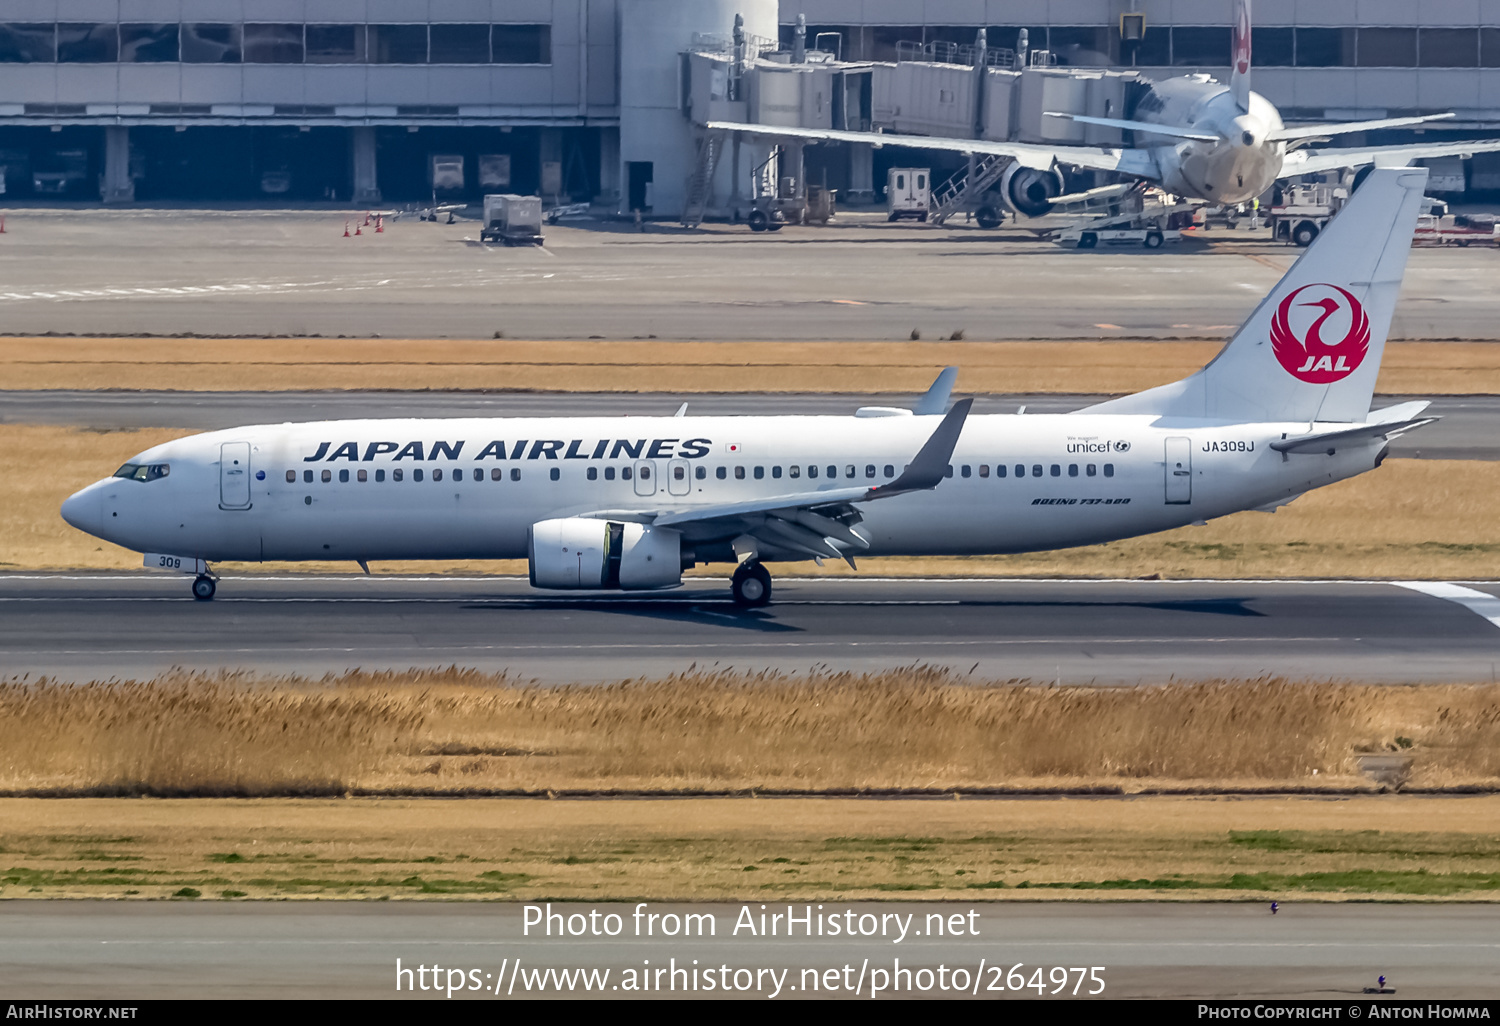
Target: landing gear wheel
x=1153, y=240
x=204, y=587
x=758, y=220
x=751, y=585
x=987, y=217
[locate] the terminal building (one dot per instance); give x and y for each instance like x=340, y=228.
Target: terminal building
x=401, y=101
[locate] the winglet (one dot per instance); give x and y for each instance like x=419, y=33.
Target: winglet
x=930, y=465
x=936, y=400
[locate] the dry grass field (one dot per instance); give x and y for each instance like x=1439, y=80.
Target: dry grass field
x=684, y=367
x=391, y=771
x=1388, y=847
x=1410, y=518
x=460, y=732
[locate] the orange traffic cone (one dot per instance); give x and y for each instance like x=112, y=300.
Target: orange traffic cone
x=2, y=224
x=346, y=229
x=357, y=230
x=367, y=219
x=379, y=223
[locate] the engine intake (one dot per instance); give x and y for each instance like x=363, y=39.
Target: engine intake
x=1030, y=191
x=579, y=552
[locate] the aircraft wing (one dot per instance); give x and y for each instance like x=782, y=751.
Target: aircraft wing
x=816, y=523
x=1334, y=158
x=1036, y=155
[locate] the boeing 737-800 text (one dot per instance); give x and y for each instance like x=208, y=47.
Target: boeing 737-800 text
x=630, y=502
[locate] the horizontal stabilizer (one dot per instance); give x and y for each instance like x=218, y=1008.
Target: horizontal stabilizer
x=1135, y=126
x=1345, y=127
x=1331, y=441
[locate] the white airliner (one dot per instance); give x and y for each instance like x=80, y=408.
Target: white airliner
x=1194, y=137
x=630, y=502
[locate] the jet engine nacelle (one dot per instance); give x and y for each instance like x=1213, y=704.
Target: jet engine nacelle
x=1030, y=191
x=579, y=552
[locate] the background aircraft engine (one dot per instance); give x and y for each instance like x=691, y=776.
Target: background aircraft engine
x=579, y=552
x=1029, y=191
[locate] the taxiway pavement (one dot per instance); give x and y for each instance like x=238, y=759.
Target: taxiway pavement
x=97, y=626
x=124, y=950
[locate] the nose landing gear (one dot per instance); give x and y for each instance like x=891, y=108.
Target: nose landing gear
x=204, y=587
x=750, y=585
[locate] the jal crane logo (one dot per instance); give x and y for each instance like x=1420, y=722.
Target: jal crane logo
x=1306, y=334
x=1242, y=41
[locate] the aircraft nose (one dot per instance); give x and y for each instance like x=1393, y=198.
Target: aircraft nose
x=85, y=509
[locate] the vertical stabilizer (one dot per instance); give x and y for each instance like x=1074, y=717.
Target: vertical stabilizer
x=1312, y=348
x=1239, y=68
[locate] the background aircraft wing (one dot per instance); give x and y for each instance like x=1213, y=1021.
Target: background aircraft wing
x=1346, y=127
x=1333, y=158
x=1036, y=155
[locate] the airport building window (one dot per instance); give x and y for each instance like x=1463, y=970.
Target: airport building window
x=609, y=473
x=461, y=44
x=1489, y=48
x=1072, y=470
x=984, y=470
x=554, y=473
x=291, y=477
x=148, y=44
x=398, y=44
x=1387, y=48
x=416, y=475
x=497, y=474
x=521, y=44
x=83, y=43
x=890, y=470
x=1194, y=46
x=964, y=471
x=273, y=44
x=25, y=43
x=593, y=473
x=1036, y=470
x=515, y=473
x=1324, y=48
x=210, y=44
x=379, y=476
x=869, y=470
x=760, y=472
x=1448, y=48
x=396, y=474
x=739, y=473
x=1091, y=470
x=335, y=44
x=775, y=472
x=307, y=476
x=343, y=477
x=1109, y=470
x=327, y=476
x=722, y=473
x=437, y=474
x=1272, y=47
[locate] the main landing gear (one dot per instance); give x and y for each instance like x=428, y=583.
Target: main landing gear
x=751, y=585
x=204, y=587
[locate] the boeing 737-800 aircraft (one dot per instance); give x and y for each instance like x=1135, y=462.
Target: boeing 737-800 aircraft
x=1194, y=137
x=629, y=502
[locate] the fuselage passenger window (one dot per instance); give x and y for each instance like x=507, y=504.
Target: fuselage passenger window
x=291, y=477
x=849, y=470
x=1072, y=470
x=812, y=470
x=363, y=475
x=397, y=474
x=343, y=477
x=721, y=473
x=1056, y=470
x=609, y=473
x=497, y=474
x=760, y=472
x=1036, y=470
x=479, y=473
x=1091, y=470
x=515, y=473
x=739, y=473
x=327, y=476
x=379, y=476
x=984, y=470
x=948, y=470
x=624, y=473
x=679, y=473
x=437, y=474
x=701, y=473
x=833, y=471
x=593, y=473
x=776, y=472
x=890, y=470
x=416, y=475
x=964, y=471
x=1000, y=470
x=869, y=470
x=1109, y=470
x=307, y=476
x=555, y=473
x=794, y=471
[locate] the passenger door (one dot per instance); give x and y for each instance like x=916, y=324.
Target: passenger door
x=645, y=477
x=234, y=475
x=1179, y=471
x=679, y=477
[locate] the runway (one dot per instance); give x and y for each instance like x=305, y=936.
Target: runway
x=127, y=950
x=1469, y=430
x=82, y=627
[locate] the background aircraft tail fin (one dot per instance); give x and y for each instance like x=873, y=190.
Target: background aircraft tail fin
x=1311, y=350
x=1239, y=68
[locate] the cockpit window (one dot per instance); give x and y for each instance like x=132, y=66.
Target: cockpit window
x=144, y=471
